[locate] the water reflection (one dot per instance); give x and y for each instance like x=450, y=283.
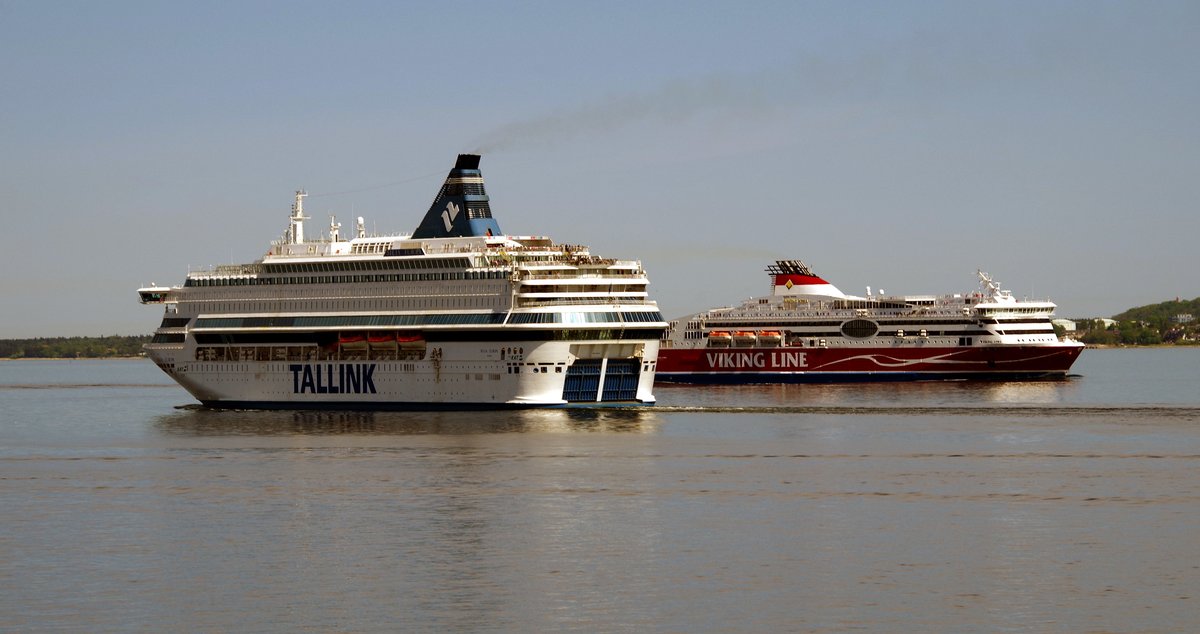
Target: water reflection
x=200, y=421
x=922, y=393
x=1030, y=392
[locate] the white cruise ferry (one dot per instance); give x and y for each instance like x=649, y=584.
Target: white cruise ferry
x=456, y=315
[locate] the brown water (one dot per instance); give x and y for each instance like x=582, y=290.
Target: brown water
x=1067, y=506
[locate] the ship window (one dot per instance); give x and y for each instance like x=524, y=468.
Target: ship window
x=859, y=328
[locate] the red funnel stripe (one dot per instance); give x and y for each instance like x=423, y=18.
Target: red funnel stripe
x=798, y=280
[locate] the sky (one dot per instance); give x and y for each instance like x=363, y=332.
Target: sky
x=897, y=145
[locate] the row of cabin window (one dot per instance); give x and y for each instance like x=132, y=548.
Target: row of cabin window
x=396, y=303
x=346, y=279
x=369, y=265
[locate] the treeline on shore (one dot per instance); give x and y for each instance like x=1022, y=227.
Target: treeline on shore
x=1130, y=333
x=73, y=347
x=1170, y=322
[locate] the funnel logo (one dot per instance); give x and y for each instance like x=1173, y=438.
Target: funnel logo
x=789, y=284
x=449, y=215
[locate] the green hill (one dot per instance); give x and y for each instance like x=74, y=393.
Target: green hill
x=1160, y=314
x=1146, y=325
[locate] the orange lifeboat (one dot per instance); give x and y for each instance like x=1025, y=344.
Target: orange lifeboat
x=352, y=341
x=769, y=337
x=719, y=339
x=744, y=338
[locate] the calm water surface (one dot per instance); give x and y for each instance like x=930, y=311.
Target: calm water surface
x=1065, y=506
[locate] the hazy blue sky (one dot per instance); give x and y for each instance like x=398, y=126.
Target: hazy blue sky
x=899, y=145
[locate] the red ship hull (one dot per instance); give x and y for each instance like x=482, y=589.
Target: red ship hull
x=832, y=365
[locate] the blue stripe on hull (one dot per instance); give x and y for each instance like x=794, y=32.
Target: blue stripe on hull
x=409, y=407
x=848, y=377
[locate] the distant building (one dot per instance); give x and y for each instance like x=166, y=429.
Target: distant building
x=1183, y=318
x=1066, y=324
x=1106, y=323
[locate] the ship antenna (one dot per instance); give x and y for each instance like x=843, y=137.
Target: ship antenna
x=986, y=281
x=334, y=227
x=298, y=218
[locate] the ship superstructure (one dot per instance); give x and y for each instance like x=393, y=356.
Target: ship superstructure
x=807, y=330
x=457, y=314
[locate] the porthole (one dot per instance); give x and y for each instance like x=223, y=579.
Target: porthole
x=859, y=328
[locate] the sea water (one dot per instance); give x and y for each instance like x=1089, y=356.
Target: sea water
x=1051, y=506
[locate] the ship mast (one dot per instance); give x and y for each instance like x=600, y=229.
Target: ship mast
x=989, y=284
x=296, y=233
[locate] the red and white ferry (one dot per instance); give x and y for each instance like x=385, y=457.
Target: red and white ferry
x=807, y=330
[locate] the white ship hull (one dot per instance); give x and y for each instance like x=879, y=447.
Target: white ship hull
x=545, y=374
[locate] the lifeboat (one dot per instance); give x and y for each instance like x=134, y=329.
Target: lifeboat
x=411, y=343
x=352, y=341
x=769, y=337
x=719, y=339
x=744, y=338
x=382, y=340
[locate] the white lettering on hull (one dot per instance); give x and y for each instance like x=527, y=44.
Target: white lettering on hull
x=776, y=360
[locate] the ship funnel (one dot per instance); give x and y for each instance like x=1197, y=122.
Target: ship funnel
x=461, y=208
x=793, y=277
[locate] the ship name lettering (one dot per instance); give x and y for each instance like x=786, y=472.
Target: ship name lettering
x=333, y=378
x=788, y=360
x=741, y=360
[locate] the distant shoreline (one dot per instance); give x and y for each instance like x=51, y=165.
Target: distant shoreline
x=114, y=357
x=105, y=347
